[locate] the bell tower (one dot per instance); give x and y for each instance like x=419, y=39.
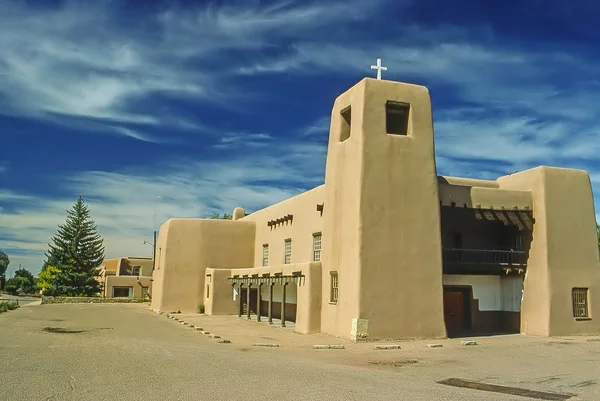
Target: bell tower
x=382, y=221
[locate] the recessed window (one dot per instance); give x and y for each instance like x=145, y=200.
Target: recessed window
x=346, y=120
x=207, y=291
x=333, y=294
x=317, y=247
x=122, y=292
x=288, y=251
x=136, y=270
x=396, y=117
x=265, y=255
x=580, y=303
x=145, y=293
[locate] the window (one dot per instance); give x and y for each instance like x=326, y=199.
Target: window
x=333, y=296
x=207, y=290
x=288, y=251
x=122, y=292
x=396, y=117
x=317, y=247
x=346, y=119
x=580, y=303
x=145, y=293
x=136, y=270
x=266, y=255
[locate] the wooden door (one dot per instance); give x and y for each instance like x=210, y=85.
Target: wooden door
x=454, y=312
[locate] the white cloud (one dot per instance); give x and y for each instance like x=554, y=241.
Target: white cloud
x=124, y=204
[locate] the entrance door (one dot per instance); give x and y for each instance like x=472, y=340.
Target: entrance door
x=454, y=312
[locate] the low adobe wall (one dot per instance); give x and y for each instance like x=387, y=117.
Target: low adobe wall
x=91, y=300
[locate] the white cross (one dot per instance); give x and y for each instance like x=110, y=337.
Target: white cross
x=379, y=68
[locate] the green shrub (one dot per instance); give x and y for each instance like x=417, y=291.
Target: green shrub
x=201, y=308
x=8, y=305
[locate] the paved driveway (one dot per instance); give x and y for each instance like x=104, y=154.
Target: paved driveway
x=124, y=352
x=22, y=300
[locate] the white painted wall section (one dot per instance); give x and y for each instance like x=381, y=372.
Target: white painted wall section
x=494, y=293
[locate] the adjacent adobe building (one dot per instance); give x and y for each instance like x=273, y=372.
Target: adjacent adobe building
x=129, y=277
x=388, y=249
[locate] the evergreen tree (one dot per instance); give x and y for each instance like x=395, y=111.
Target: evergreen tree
x=77, y=252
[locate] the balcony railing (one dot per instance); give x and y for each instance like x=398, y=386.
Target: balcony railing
x=484, y=257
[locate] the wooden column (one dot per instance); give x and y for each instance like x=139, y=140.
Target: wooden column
x=240, y=304
x=283, y=287
x=270, y=311
x=258, y=300
x=248, y=301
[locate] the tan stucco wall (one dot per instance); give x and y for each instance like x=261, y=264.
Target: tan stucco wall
x=486, y=198
x=307, y=294
x=127, y=264
x=306, y=222
x=127, y=281
x=564, y=251
x=220, y=300
x=383, y=217
x=186, y=247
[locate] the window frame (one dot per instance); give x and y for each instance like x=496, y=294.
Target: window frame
x=287, y=256
x=334, y=287
x=320, y=245
x=580, y=302
x=265, y=255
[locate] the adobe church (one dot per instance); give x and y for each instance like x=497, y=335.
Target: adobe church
x=387, y=249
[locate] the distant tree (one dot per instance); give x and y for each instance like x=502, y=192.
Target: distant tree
x=47, y=280
x=77, y=252
x=217, y=215
x=4, y=262
x=23, y=280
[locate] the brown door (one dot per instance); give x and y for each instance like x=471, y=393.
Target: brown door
x=454, y=316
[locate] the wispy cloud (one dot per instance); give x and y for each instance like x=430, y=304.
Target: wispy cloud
x=127, y=205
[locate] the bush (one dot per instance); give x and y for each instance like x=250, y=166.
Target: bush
x=5, y=306
x=201, y=308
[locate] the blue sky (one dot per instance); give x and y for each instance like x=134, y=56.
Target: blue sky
x=180, y=109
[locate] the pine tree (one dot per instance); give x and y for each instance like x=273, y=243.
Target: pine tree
x=77, y=251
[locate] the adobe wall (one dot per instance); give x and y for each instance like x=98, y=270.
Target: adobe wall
x=128, y=281
x=306, y=222
x=382, y=214
x=186, y=247
x=563, y=253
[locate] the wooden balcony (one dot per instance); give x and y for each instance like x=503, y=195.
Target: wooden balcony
x=483, y=261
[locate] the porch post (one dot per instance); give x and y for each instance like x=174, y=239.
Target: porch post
x=258, y=301
x=283, y=287
x=248, y=301
x=240, y=305
x=270, y=311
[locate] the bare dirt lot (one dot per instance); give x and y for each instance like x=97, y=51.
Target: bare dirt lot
x=125, y=352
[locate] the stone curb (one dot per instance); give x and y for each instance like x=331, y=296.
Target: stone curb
x=204, y=332
x=468, y=342
x=224, y=342
x=434, y=345
x=199, y=329
x=215, y=336
x=386, y=347
x=266, y=345
x=330, y=346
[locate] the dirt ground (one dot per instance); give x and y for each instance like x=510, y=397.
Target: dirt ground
x=126, y=352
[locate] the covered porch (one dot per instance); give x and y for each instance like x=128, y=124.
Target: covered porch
x=286, y=295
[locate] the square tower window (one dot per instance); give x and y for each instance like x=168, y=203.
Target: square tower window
x=396, y=117
x=346, y=120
